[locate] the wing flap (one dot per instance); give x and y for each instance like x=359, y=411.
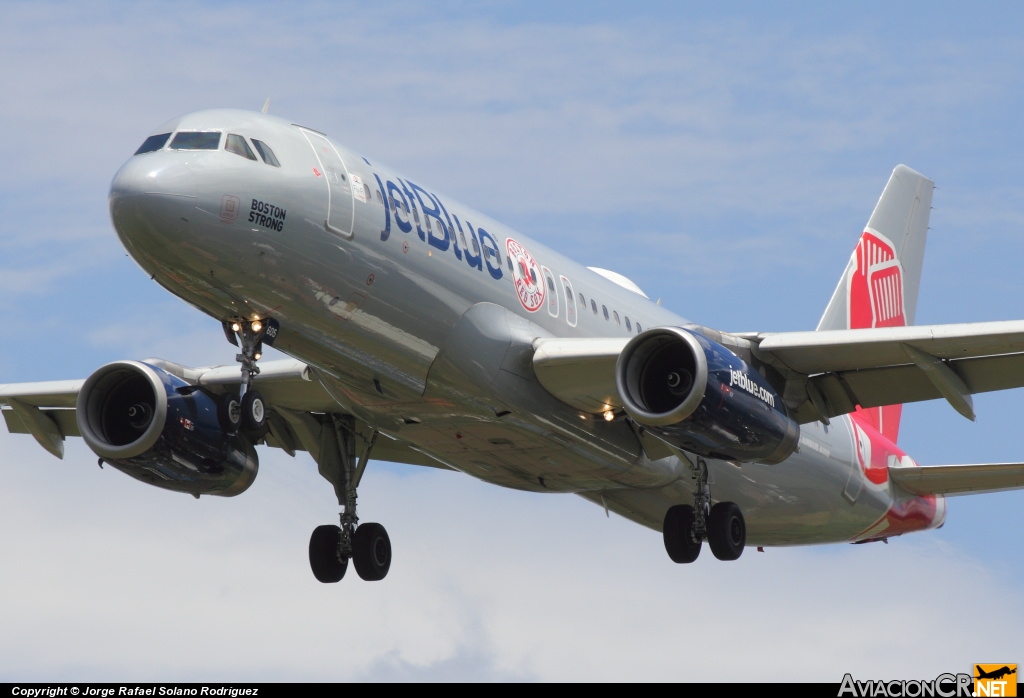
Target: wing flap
x=64, y=419
x=892, y=385
x=959, y=479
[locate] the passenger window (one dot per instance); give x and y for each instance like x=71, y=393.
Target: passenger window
x=629, y=325
x=476, y=247
x=237, y=145
x=153, y=143
x=380, y=199
x=510, y=267
x=462, y=236
x=638, y=328
x=428, y=223
x=366, y=191
x=416, y=214
x=266, y=153
x=615, y=314
x=196, y=140
x=593, y=305
x=583, y=301
x=605, y=309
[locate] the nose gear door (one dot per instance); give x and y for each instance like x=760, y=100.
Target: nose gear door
x=340, y=209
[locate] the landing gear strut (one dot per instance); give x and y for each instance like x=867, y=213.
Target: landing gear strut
x=341, y=452
x=686, y=527
x=247, y=410
x=367, y=545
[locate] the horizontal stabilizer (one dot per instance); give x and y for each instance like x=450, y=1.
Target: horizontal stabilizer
x=959, y=479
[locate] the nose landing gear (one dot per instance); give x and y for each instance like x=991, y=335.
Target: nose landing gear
x=248, y=410
x=333, y=441
x=686, y=527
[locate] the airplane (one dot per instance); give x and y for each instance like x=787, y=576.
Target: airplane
x=423, y=332
x=995, y=674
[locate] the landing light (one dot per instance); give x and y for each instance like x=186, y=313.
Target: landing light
x=609, y=416
x=257, y=356
x=235, y=327
x=257, y=326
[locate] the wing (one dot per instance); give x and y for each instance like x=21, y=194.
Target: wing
x=299, y=407
x=826, y=373
x=959, y=479
x=579, y=372
x=829, y=373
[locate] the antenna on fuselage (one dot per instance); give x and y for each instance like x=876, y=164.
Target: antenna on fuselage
x=266, y=106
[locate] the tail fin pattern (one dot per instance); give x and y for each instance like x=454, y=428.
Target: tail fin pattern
x=880, y=284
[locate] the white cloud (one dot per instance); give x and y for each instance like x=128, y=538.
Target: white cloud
x=106, y=579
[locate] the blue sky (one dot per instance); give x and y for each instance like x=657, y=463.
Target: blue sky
x=724, y=157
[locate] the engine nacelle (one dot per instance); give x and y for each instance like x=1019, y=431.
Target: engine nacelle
x=698, y=395
x=159, y=429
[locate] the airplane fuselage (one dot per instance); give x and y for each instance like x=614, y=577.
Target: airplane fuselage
x=417, y=315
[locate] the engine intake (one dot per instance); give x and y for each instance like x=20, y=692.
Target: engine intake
x=700, y=396
x=161, y=430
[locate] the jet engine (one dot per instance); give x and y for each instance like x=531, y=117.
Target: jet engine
x=158, y=428
x=697, y=394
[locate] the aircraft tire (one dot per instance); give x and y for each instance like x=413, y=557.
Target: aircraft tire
x=254, y=410
x=323, y=555
x=679, y=543
x=727, y=531
x=371, y=552
x=229, y=413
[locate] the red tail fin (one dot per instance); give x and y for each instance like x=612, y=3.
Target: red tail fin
x=875, y=298
x=879, y=286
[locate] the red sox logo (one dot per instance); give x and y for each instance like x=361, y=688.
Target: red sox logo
x=876, y=284
x=527, y=277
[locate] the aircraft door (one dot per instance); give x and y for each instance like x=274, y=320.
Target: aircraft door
x=340, y=208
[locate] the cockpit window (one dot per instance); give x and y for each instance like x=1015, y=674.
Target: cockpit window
x=196, y=140
x=266, y=153
x=237, y=145
x=153, y=143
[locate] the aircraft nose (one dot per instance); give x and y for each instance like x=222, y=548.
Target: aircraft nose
x=153, y=175
x=153, y=198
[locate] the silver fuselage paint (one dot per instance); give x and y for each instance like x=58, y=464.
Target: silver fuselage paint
x=418, y=331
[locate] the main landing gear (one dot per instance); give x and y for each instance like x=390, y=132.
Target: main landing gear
x=686, y=527
x=366, y=545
